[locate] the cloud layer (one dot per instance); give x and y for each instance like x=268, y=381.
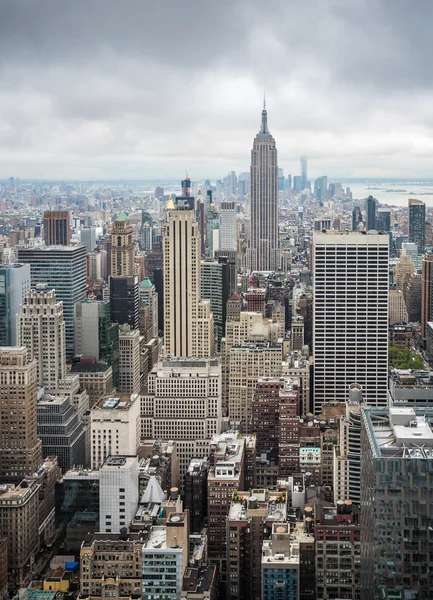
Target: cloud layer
x=145, y=88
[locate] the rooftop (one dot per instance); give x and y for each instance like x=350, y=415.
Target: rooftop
x=270, y=505
x=117, y=402
x=400, y=432
x=120, y=461
x=90, y=367
x=199, y=580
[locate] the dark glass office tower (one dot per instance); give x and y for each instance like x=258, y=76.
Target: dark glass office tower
x=125, y=300
x=417, y=224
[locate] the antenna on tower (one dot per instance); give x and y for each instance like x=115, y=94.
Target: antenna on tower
x=264, y=100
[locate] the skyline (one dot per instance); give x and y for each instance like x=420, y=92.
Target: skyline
x=96, y=91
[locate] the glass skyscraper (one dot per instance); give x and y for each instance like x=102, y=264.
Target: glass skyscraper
x=62, y=268
x=417, y=224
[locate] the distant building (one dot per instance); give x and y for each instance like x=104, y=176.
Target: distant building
x=264, y=251
x=14, y=285
x=122, y=247
x=417, y=224
x=88, y=238
x=371, y=210
x=57, y=228
x=228, y=233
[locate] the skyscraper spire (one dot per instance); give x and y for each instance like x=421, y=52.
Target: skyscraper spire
x=264, y=131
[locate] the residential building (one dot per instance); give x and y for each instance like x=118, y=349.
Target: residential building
x=118, y=492
x=41, y=328
x=396, y=485
x=63, y=269
x=251, y=516
x=115, y=427
x=170, y=559
x=351, y=275
x=14, y=285
x=19, y=523
x=112, y=563
x=57, y=228
x=226, y=473
x=338, y=548
x=280, y=565
x=263, y=251
x=248, y=362
x=20, y=448
x=188, y=321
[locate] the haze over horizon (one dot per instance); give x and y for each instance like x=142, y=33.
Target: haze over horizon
x=103, y=90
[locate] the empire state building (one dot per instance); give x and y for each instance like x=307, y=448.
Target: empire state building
x=263, y=251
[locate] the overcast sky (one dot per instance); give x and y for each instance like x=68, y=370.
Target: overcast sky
x=148, y=88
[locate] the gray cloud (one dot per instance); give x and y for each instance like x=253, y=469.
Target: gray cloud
x=140, y=88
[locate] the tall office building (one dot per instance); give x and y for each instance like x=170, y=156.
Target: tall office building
x=188, y=321
x=384, y=219
x=417, y=223
x=62, y=268
x=122, y=247
x=88, y=238
x=129, y=360
x=228, y=226
x=215, y=287
x=41, y=328
x=371, y=209
x=351, y=274
x=125, y=300
x=183, y=403
x=14, y=284
x=396, y=509
x=149, y=298
x=356, y=218
x=303, y=172
x=426, y=293
x=60, y=432
x=263, y=251
x=118, y=492
x=95, y=335
x=20, y=448
x=57, y=228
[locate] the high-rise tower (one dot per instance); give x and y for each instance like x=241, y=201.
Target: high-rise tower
x=122, y=246
x=20, y=448
x=263, y=252
x=417, y=223
x=350, y=316
x=188, y=321
x=303, y=172
x=41, y=328
x=57, y=230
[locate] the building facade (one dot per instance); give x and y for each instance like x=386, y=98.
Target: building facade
x=14, y=285
x=57, y=228
x=350, y=316
x=417, y=224
x=264, y=253
x=20, y=448
x=63, y=269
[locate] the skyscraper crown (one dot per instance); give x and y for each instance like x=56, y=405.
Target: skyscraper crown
x=264, y=131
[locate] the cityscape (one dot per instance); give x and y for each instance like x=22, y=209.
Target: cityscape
x=216, y=344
